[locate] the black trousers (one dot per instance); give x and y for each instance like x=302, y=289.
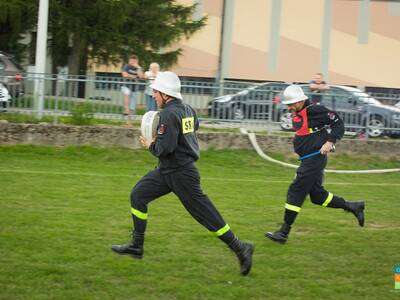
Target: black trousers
x=309, y=181
x=185, y=183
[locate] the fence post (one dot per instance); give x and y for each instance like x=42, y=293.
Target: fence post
x=270, y=111
x=221, y=87
x=39, y=95
x=367, y=122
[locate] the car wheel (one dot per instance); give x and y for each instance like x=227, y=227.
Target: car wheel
x=375, y=126
x=286, y=121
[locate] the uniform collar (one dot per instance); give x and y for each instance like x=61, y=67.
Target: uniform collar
x=307, y=103
x=172, y=102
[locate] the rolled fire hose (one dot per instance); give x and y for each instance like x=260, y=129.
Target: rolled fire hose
x=149, y=124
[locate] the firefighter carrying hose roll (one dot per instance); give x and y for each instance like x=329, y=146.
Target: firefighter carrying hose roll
x=310, y=121
x=176, y=147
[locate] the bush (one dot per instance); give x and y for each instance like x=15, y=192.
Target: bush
x=82, y=114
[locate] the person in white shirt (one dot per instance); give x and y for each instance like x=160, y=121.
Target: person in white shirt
x=150, y=75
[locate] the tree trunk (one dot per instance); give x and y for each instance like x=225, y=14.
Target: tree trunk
x=82, y=73
x=78, y=64
x=54, y=65
x=74, y=62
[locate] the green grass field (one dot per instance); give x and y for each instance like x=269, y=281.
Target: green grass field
x=62, y=208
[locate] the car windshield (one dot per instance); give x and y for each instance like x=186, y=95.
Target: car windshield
x=263, y=88
x=244, y=92
x=367, y=98
x=248, y=90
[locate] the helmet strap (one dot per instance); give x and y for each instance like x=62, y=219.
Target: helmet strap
x=164, y=99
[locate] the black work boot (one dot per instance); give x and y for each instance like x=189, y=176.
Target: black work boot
x=357, y=209
x=280, y=236
x=245, y=257
x=134, y=248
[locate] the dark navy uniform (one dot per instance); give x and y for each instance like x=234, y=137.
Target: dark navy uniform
x=176, y=144
x=177, y=149
x=310, y=124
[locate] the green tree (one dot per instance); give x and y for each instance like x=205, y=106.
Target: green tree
x=104, y=31
x=109, y=31
x=16, y=17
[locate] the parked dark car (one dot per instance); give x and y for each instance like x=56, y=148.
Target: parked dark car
x=263, y=102
x=357, y=110
x=11, y=75
x=251, y=103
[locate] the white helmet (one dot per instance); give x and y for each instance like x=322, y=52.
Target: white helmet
x=168, y=83
x=292, y=94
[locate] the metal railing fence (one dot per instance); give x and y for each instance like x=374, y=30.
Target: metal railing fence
x=234, y=103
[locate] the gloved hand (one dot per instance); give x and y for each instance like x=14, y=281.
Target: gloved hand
x=327, y=147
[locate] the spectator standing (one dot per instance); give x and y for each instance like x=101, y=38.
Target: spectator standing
x=131, y=72
x=317, y=87
x=150, y=75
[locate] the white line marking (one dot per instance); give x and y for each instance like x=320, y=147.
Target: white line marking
x=203, y=178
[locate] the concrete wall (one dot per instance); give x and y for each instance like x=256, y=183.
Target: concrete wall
x=61, y=135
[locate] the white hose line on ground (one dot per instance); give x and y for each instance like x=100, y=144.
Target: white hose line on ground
x=254, y=143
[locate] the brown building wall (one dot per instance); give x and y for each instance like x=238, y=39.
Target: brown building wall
x=350, y=62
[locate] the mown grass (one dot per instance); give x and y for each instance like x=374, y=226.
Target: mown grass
x=32, y=119
x=62, y=208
